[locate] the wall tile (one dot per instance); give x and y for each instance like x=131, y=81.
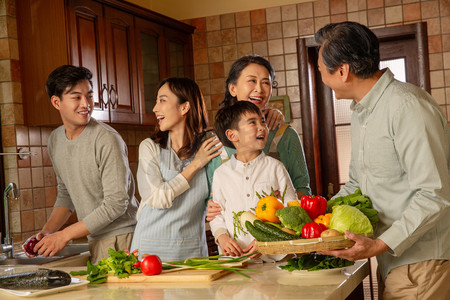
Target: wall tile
x=28, y=220
x=338, y=7
x=14, y=49
x=259, y=33
x=339, y=18
x=291, y=61
x=50, y=176
x=201, y=71
x=7, y=92
x=215, y=54
x=2, y=13
x=445, y=21
x=434, y=44
x=12, y=27
x=437, y=79
x=11, y=8
x=244, y=49
x=289, y=12
x=292, y=78
x=290, y=45
x=212, y=23
x=242, y=19
x=3, y=27
x=5, y=69
x=446, y=42
x=229, y=36
x=4, y=48
x=411, y=12
x=38, y=198
x=216, y=99
x=45, y=133
x=320, y=22
x=200, y=56
x=277, y=62
x=430, y=9
x=273, y=14
x=290, y=29
x=10, y=161
x=294, y=93
x=374, y=4
x=26, y=199
x=305, y=10
x=50, y=196
x=435, y=60
x=229, y=52
x=35, y=136
x=439, y=95
x=275, y=47
x=392, y=2
x=280, y=77
x=36, y=159
x=37, y=177
x=352, y=5
x=199, y=40
x=46, y=162
x=216, y=70
x=258, y=16
x=393, y=14
x=39, y=218
x=204, y=86
x=447, y=62
x=24, y=178
x=243, y=35
x=433, y=26
x=376, y=17
x=260, y=48
x=14, y=205
x=321, y=8
x=12, y=175
x=15, y=222
x=295, y=110
x=23, y=163
x=305, y=27
x=214, y=38
x=227, y=21
x=274, y=31
x=199, y=23
x=227, y=66
x=8, y=135
x=217, y=85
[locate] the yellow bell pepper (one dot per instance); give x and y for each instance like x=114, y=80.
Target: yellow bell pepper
x=266, y=208
x=324, y=219
x=293, y=203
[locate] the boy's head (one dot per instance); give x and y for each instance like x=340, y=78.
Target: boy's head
x=64, y=78
x=241, y=125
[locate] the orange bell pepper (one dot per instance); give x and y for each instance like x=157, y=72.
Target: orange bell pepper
x=323, y=219
x=266, y=208
x=293, y=203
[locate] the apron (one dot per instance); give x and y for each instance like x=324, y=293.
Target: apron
x=178, y=232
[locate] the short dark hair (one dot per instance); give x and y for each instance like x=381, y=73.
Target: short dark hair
x=236, y=70
x=228, y=117
x=349, y=43
x=64, y=77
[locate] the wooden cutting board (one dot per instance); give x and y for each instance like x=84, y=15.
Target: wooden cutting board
x=187, y=275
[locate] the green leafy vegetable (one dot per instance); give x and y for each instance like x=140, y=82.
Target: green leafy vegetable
x=346, y=217
x=118, y=263
x=358, y=200
x=293, y=217
x=315, y=262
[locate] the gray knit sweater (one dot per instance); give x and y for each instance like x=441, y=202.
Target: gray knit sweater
x=94, y=178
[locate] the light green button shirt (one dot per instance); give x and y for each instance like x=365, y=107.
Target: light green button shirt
x=401, y=160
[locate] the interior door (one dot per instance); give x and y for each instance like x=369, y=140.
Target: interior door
x=326, y=121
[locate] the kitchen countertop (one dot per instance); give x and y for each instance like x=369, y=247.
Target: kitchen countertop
x=273, y=283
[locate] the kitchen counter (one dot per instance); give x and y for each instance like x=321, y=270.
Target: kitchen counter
x=273, y=283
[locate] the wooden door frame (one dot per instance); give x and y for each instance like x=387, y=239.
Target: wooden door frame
x=319, y=140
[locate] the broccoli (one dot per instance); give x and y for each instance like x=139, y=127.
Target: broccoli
x=293, y=217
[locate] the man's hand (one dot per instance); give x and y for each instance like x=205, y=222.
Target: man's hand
x=212, y=210
x=229, y=246
x=363, y=248
x=51, y=244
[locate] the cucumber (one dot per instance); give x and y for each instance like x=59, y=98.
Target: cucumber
x=277, y=233
x=258, y=234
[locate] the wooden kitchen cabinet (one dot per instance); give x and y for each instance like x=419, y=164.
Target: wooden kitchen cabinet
x=127, y=48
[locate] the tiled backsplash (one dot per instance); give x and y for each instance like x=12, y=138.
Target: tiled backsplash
x=218, y=41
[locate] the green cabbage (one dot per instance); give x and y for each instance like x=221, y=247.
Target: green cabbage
x=346, y=217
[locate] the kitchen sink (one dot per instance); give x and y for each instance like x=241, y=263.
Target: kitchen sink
x=21, y=259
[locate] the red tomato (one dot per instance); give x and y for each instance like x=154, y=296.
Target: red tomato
x=151, y=265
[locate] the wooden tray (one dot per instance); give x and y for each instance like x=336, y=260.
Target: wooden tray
x=306, y=245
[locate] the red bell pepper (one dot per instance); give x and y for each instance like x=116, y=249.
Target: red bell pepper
x=314, y=205
x=312, y=230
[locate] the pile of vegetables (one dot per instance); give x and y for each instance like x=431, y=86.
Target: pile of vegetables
x=311, y=217
x=315, y=262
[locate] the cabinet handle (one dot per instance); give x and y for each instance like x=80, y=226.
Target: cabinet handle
x=113, y=104
x=104, y=88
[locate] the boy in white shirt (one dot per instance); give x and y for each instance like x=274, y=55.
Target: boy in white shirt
x=235, y=183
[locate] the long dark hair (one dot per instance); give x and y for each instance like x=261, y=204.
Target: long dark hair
x=186, y=90
x=236, y=70
x=349, y=43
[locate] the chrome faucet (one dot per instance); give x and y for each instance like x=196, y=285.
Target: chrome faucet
x=8, y=246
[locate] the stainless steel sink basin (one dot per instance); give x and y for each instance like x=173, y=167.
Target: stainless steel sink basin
x=22, y=259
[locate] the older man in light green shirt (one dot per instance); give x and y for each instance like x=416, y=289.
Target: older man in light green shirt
x=400, y=159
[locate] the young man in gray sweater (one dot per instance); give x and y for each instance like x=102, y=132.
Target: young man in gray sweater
x=91, y=165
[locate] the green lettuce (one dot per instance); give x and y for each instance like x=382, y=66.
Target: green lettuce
x=346, y=217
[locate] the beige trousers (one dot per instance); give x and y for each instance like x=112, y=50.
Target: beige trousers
x=423, y=280
x=99, y=248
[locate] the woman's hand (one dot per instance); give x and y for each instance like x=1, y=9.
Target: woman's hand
x=229, y=246
x=274, y=118
x=212, y=210
x=207, y=151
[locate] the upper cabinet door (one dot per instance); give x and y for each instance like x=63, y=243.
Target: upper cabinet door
x=180, y=60
x=121, y=65
x=87, y=49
